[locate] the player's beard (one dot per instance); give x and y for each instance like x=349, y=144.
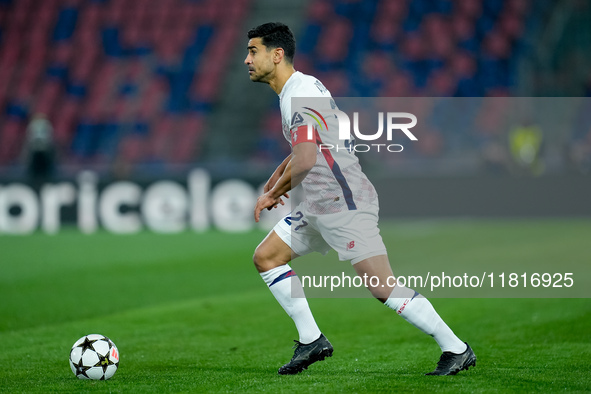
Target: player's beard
x=255, y=77
x=260, y=76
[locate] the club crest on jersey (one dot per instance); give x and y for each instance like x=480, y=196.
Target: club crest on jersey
x=297, y=120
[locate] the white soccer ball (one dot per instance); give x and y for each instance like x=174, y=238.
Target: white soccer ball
x=94, y=357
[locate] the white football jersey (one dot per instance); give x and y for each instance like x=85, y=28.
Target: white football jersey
x=336, y=183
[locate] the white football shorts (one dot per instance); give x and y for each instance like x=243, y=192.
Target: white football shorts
x=354, y=235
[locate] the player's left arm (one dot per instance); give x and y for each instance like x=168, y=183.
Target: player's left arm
x=302, y=160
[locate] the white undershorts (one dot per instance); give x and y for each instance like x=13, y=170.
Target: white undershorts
x=354, y=235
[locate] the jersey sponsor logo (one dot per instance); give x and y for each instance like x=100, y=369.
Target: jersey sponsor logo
x=350, y=245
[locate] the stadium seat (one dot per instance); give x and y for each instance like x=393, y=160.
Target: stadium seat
x=63, y=120
x=187, y=145
x=11, y=138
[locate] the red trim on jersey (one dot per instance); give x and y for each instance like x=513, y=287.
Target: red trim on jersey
x=300, y=135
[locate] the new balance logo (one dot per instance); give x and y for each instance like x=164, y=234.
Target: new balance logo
x=350, y=245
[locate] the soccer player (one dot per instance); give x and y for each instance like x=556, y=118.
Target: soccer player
x=339, y=211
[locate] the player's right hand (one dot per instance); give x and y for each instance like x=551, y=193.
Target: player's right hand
x=267, y=201
x=280, y=202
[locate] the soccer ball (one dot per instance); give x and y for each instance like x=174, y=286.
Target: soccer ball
x=94, y=357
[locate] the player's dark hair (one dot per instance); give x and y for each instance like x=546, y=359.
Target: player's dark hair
x=276, y=35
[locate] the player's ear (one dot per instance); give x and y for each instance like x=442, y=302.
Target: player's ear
x=278, y=54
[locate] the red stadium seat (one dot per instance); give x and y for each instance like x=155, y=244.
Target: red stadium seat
x=497, y=45
x=399, y=85
x=469, y=8
x=132, y=149
x=11, y=139
x=187, y=145
x=164, y=133
x=90, y=17
x=517, y=8
x=442, y=83
x=393, y=10
x=511, y=25
x=11, y=48
x=63, y=121
x=384, y=32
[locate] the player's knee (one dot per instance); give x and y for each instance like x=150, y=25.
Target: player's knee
x=261, y=260
x=265, y=260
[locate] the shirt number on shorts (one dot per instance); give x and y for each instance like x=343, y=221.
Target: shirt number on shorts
x=298, y=216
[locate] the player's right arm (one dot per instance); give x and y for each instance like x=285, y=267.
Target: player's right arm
x=276, y=174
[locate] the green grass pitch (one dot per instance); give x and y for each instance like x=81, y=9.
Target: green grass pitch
x=189, y=313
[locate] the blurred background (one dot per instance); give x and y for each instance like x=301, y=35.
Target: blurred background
x=146, y=90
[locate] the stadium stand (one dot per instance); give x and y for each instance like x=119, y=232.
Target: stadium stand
x=128, y=82
x=120, y=80
x=455, y=41
x=403, y=48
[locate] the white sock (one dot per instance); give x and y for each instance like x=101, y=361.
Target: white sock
x=418, y=311
x=281, y=281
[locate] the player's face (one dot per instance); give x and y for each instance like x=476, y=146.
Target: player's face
x=259, y=61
